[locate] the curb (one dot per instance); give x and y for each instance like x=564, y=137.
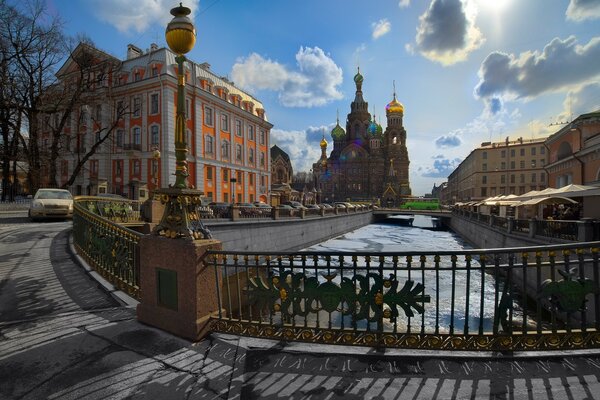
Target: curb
x=120, y=296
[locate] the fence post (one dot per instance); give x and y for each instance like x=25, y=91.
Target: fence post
x=235, y=213
x=178, y=288
x=303, y=213
x=585, y=231
x=532, y=227
x=510, y=224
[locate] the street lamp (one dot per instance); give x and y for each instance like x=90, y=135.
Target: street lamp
x=180, y=219
x=233, y=182
x=155, y=158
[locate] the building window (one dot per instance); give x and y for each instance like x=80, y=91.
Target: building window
x=542, y=177
x=251, y=179
x=251, y=156
x=137, y=76
x=238, y=128
x=225, y=149
x=484, y=167
x=512, y=165
x=542, y=162
x=154, y=103
x=542, y=150
x=522, y=152
x=484, y=179
x=533, y=178
x=154, y=70
x=154, y=135
x=512, y=178
x=533, y=151
x=137, y=106
x=240, y=181
x=262, y=159
x=225, y=122
x=209, y=144
x=209, y=173
x=503, y=165
x=483, y=192
x=225, y=175
x=522, y=178
x=512, y=152
x=137, y=136
x=522, y=164
x=484, y=155
x=238, y=152
x=136, y=167
x=250, y=132
x=119, y=167
x=503, y=179
x=262, y=136
x=533, y=164
x=208, y=116
x=120, y=137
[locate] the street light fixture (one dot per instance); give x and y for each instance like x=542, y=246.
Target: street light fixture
x=181, y=219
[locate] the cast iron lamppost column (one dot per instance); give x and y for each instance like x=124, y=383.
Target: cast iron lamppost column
x=233, y=182
x=181, y=219
x=155, y=158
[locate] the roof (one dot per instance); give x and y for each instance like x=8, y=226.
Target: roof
x=277, y=152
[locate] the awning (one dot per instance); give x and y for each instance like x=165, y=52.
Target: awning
x=547, y=200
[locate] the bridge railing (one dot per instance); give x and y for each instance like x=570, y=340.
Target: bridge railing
x=110, y=248
x=504, y=299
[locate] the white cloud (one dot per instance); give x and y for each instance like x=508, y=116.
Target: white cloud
x=580, y=10
x=562, y=64
x=450, y=140
x=380, y=28
x=301, y=146
x=441, y=168
x=314, y=83
x=403, y=3
x=124, y=17
x=447, y=31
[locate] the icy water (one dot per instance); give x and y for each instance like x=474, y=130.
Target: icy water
x=442, y=287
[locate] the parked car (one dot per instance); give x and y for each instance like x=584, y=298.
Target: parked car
x=263, y=208
x=325, y=205
x=51, y=203
x=294, y=204
x=220, y=209
x=312, y=207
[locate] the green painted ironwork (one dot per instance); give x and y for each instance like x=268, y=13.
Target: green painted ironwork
x=471, y=300
x=111, y=249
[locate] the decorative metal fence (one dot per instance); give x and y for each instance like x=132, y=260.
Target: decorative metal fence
x=111, y=249
x=557, y=229
x=529, y=298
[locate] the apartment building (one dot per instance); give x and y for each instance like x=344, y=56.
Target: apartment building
x=499, y=168
x=227, y=130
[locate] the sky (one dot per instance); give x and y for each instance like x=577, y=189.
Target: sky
x=466, y=71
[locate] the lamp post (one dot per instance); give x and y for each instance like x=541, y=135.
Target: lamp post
x=155, y=158
x=233, y=182
x=180, y=219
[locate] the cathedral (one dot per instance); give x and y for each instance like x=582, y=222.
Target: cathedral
x=366, y=163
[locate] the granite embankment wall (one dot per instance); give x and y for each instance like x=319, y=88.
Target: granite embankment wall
x=284, y=234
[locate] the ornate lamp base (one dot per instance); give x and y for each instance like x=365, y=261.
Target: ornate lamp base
x=181, y=219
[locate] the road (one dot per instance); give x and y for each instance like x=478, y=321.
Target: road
x=63, y=337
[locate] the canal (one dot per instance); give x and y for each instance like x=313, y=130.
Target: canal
x=464, y=286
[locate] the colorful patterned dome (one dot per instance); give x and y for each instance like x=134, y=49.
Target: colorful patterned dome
x=338, y=133
x=358, y=78
x=372, y=129
x=394, y=106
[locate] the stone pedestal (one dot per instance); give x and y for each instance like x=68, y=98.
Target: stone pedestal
x=178, y=291
x=153, y=211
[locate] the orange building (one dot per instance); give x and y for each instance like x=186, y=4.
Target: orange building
x=574, y=152
x=227, y=131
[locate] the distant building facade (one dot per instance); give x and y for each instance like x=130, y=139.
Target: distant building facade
x=499, y=168
x=575, y=152
x=366, y=163
x=227, y=131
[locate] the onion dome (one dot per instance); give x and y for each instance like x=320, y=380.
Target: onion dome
x=372, y=128
x=338, y=133
x=323, y=143
x=358, y=78
x=394, y=106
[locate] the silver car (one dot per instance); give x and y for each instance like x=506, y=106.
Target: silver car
x=51, y=203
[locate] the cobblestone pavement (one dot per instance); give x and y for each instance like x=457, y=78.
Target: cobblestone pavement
x=64, y=337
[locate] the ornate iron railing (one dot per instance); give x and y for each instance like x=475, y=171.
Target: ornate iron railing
x=557, y=229
x=114, y=209
x=528, y=298
x=110, y=249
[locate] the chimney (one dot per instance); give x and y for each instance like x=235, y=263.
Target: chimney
x=153, y=47
x=133, y=51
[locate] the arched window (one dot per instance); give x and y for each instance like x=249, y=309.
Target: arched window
x=564, y=150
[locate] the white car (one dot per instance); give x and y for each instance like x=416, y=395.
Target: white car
x=51, y=203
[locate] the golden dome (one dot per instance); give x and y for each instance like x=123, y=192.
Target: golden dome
x=394, y=106
x=323, y=143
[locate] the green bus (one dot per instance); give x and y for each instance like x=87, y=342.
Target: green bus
x=421, y=203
